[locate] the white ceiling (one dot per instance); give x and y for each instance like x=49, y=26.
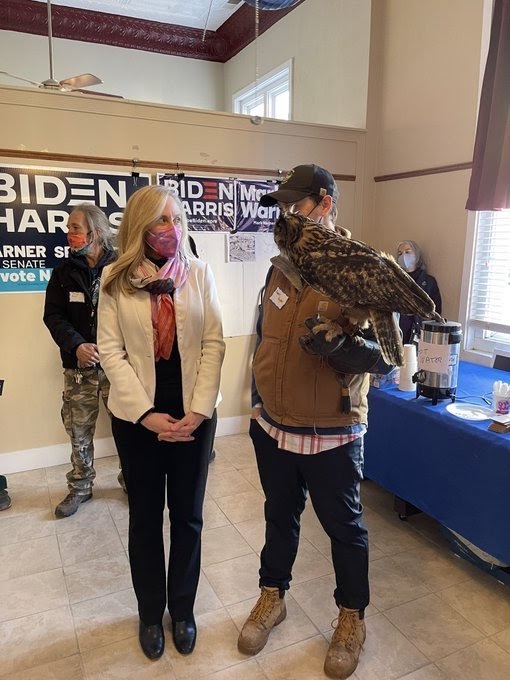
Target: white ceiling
x=193, y=13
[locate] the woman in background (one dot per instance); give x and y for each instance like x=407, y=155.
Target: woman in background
x=161, y=346
x=410, y=258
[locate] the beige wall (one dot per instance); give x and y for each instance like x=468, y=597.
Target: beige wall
x=328, y=41
x=431, y=60
x=425, y=64
x=30, y=427
x=133, y=74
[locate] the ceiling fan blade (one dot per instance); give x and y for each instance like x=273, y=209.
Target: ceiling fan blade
x=11, y=75
x=83, y=80
x=69, y=84
x=100, y=94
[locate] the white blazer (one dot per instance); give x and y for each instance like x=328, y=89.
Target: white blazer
x=126, y=347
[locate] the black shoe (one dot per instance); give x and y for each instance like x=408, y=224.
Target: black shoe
x=71, y=503
x=152, y=640
x=184, y=634
x=5, y=500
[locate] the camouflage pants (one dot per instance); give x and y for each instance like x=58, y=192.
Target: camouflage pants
x=80, y=408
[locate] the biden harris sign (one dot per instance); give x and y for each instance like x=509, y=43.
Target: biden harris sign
x=34, y=206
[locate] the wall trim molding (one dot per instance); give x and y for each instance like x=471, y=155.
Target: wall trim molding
x=46, y=456
x=141, y=164
x=454, y=167
x=27, y=16
x=59, y=454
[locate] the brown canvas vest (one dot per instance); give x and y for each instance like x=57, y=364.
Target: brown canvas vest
x=299, y=389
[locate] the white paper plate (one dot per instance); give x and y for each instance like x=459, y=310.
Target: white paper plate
x=470, y=411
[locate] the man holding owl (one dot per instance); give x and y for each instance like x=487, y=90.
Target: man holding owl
x=308, y=420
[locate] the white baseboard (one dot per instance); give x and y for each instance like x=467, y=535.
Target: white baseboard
x=46, y=456
x=232, y=425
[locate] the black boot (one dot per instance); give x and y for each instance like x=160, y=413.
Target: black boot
x=5, y=500
x=184, y=634
x=152, y=640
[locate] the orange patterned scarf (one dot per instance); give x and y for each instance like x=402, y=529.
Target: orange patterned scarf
x=161, y=283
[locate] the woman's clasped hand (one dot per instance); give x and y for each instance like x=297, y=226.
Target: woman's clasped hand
x=171, y=429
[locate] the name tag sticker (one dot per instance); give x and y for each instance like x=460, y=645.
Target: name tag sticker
x=279, y=298
x=322, y=306
x=76, y=296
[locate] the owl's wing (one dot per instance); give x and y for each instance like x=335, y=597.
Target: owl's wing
x=356, y=275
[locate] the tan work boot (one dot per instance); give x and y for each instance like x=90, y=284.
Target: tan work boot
x=346, y=644
x=268, y=612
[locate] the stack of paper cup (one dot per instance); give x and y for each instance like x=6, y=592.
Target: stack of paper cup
x=408, y=369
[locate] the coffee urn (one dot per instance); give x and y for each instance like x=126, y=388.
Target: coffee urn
x=438, y=360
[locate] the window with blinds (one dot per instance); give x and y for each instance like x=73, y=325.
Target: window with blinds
x=489, y=299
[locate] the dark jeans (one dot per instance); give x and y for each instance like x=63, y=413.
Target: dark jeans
x=333, y=480
x=152, y=470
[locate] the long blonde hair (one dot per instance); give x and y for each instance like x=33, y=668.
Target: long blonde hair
x=143, y=208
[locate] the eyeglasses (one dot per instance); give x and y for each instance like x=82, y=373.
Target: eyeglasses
x=294, y=208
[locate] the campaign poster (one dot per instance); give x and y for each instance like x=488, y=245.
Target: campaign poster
x=209, y=202
x=250, y=215
x=222, y=204
x=34, y=206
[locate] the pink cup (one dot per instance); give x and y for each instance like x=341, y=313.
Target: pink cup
x=501, y=404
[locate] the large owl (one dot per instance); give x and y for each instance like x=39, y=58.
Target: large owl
x=368, y=284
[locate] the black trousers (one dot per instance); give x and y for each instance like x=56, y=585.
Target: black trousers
x=153, y=470
x=333, y=480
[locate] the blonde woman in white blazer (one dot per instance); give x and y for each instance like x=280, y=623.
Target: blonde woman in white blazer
x=161, y=345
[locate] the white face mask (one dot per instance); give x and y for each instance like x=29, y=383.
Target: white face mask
x=407, y=261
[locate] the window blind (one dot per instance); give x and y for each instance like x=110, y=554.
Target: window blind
x=490, y=280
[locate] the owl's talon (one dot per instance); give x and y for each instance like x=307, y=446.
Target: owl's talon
x=331, y=329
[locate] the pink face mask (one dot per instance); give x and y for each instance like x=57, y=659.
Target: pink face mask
x=165, y=242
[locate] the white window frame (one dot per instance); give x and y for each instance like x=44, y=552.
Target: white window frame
x=265, y=90
x=484, y=332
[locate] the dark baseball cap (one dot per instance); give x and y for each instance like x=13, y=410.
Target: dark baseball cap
x=302, y=181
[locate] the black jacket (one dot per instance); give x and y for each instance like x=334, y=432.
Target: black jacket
x=409, y=324
x=70, y=307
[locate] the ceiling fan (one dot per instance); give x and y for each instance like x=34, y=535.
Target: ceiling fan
x=69, y=84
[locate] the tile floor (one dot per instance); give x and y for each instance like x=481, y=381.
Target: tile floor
x=67, y=610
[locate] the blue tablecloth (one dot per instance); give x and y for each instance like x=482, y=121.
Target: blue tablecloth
x=455, y=470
